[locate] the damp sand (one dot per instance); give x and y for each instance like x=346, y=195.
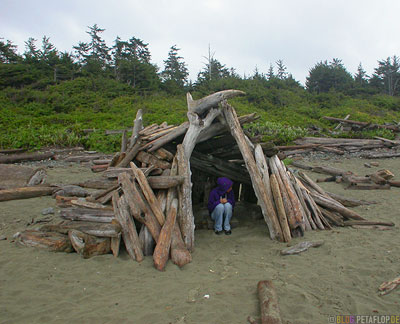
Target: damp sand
x=219, y=286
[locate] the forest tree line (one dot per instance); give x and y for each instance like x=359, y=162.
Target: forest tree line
x=129, y=62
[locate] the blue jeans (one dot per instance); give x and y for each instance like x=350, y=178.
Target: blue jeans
x=222, y=213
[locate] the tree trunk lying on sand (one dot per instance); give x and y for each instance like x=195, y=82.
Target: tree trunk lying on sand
x=270, y=313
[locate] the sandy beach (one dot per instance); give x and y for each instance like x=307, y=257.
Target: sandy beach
x=219, y=286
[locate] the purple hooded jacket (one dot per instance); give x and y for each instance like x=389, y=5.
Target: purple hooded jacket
x=223, y=185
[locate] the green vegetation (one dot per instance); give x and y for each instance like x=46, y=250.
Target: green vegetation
x=49, y=98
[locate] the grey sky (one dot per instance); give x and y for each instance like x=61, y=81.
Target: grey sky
x=243, y=34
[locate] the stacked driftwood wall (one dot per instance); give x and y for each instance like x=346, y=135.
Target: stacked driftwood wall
x=146, y=196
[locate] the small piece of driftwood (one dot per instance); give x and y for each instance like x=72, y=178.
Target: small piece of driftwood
x=301, y=247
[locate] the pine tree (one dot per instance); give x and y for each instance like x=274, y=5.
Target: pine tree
x=281, y=73
x=175, y=72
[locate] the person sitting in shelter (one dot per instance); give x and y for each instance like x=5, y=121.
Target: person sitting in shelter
x=220, y=205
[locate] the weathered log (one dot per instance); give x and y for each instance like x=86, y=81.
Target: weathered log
x=270, y=313
x=365, y=222
x=379, y=155
x=159, y=133
x=331, y=141
x=87, y=245
x=362, y=124
x=99, y=168
x=36, y=156
x=312, y=206
x=287, y=203
x=124, y=141
x=332, y=217
x=259, y=189
x=149, y=194
x=330, y=204
x=128, y=228
x=305, y=212
x=160, y=142
x=349, y=202
x=359, y=186
x=91, y=228
x=25, y=192
x=301, y=247
x=112, y=173
x=152, y=160
x=164, y=154
x=101, y=161
x=186, y=217
x=280, y=208
x=196, y=126
x=312, y=184
x=97, y=184
x=88, y=204
x=130, y=154
x=180, y=255
x=139, y=206
x=70, y=191
x=137, y=128
x=50, y=241
x=161, y=252
x=88, y=215
x=297, y=208
x=148, y=129
x=204, y=104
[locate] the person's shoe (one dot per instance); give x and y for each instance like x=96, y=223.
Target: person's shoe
x=218, y=232
x=228, y=232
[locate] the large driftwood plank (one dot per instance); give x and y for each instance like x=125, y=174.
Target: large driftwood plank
x=161, y=252
x=25, y=192
x=259, y=189
x=128, y=228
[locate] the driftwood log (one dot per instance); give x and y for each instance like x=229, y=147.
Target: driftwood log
x=51, y=241
x=88, y=245
x=269, y=306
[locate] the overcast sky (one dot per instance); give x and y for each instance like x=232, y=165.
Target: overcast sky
x=243, y=34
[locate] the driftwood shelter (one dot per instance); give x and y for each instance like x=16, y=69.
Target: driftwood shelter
x=162, y=170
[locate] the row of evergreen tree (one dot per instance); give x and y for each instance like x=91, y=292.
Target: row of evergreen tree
x=129, y=61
